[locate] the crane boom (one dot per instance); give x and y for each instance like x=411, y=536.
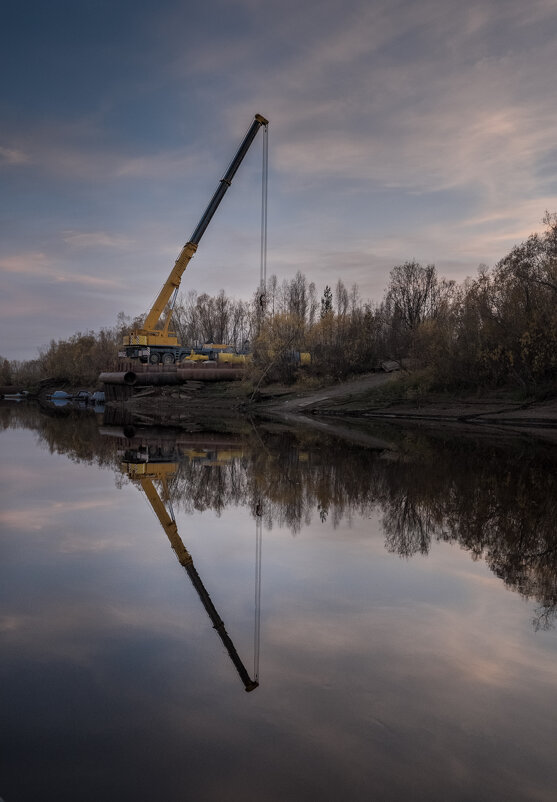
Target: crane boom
x=186, y=561
x=163, y=342
x=227, y=179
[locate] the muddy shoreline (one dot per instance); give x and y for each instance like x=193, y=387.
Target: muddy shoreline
x=341, y=404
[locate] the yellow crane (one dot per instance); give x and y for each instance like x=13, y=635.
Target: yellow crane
x=145, y=475
x=152, y=344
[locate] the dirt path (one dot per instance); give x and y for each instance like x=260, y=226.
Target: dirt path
x=348, y=400
x=341, y=391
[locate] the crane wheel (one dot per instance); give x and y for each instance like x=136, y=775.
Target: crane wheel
x=168, y=359
x=154, y=359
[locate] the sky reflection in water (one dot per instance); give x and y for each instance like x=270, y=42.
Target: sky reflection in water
x=387, y=677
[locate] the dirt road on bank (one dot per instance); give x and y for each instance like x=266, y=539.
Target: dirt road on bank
x=353, y=400
x=338, y=392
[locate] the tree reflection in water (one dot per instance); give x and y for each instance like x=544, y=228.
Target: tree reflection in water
x=496, y=499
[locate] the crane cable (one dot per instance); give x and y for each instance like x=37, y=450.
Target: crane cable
x=257, y=619
x=264, y=185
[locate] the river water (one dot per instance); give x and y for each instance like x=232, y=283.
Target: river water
x=247, y=611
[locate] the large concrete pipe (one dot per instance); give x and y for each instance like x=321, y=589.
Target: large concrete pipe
x=128, y=378
x=210, y=374
x=133, y=379
x=202, y=373
x=148, y=379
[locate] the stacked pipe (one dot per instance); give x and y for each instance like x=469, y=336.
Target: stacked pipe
x=177, y=376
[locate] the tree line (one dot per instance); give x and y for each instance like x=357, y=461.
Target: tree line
x=496, y=329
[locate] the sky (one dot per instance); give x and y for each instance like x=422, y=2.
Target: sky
x=398, y=130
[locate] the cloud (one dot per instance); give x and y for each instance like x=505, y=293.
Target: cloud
x=38, y=265
x=160, y=165
x=13, y=156
x=81, y=161
x=445, y=104
x=43, y=516
x=95, y=239
x=87, y=148
x=426, y=101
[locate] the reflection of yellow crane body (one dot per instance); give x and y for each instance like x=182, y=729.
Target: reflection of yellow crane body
x=144, y=473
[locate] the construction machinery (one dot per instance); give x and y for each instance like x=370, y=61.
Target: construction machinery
x=220, y=353
x=145, y=466
x=152, y=343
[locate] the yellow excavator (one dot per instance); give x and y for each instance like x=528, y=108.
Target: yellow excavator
x=152, y=344
x=145, y=474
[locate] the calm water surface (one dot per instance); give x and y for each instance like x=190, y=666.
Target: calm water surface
x=403, y=638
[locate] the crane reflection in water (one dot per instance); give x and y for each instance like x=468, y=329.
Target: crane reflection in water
x=151, y=466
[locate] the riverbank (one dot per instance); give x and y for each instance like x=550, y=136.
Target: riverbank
x=385, y=397
x=373, y=396
x=365, y=397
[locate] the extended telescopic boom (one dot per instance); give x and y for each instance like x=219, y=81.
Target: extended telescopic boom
x=227, y=180
x=173, y=281
x=185, y=559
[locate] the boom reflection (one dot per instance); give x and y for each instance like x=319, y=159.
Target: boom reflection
x=148, y=464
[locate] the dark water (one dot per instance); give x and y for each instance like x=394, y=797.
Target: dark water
x=407, y=644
